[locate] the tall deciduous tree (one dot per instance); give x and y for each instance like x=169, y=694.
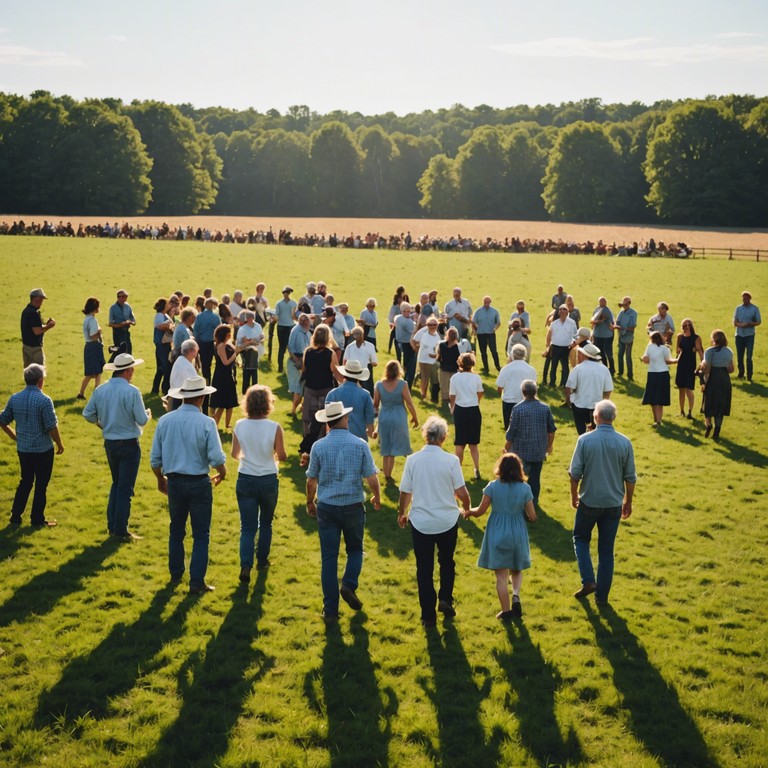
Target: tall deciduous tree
x=525, y=168
x=379, y=157
x=701, y=167
x=439, y=187
x=282, y=178
x=481, y=175
x=335, y=162
x=583, y=175
x=413, y=156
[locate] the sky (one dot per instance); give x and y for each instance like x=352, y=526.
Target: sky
x=374, y=57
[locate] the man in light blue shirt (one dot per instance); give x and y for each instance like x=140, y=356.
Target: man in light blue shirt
x=745, y=319
x=185, y=445
x=404, y=328
x=117, y=408
x=298, y=341
x=486, y=322
x=285, y=310
x=205, y=324
x=352, y=395
x=459, y=314
x=121, y=319
x=603, y=463
x=626, y=322
x=602, y=332
x=337, y=465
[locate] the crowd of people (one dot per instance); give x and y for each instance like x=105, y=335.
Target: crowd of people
x=393, y=241
x=329, y=357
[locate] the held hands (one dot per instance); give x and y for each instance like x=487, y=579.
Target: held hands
x=467, y=513
x=216, y=479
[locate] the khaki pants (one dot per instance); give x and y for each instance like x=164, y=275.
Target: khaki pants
x=32, y=355
x=445, y=383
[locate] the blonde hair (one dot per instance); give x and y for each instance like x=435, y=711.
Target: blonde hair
x=258, y=401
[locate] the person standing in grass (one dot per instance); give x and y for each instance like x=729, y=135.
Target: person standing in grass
x=93, y=353
x=626, y=322
x=258, y=443
x=185, y=445
x=337, y=465
x=36, y=431
x=659, y=358
x=121, y=319
x=118, y=410
x=432, y=481
x=603, y=478
x=505, y=548
x=33, y=328
x=745, y=319
x=717, y=368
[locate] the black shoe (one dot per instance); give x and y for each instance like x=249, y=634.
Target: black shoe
x=201, y=589
x=517, y=608
x=330, y=618
x=245, y=574
x=350, y=598
x=586, y=589
x=15, y=520
x=716, y=435
x=505, y=616
x=708, y=430
x=446, y=609
x=263, y=565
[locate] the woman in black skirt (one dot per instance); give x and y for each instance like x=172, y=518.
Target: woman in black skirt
x=717, y=369
x=465, y=393
x=659, y=358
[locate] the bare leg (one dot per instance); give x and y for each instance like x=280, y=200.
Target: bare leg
x=459, y=451
x=217, y=415
x=475, y=454
x=517, y=582
x=389, y=465
x=228, y=420
x=689, y=395
x=502, y=587
x=681, y=394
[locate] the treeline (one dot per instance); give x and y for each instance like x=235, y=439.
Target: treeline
x=687, y=163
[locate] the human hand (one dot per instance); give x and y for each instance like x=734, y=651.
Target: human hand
x=376, y=501
x=402, y=520
x=162, y=484
x=216, y=479
x=311, y=509
x=59, y=449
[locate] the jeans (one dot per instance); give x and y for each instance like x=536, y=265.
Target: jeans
x=36, y=469
x=124, y=457
x=582, y=418
x=605, y=345
x=533, y=470
x=607, y=520
x=206, y=359
x=250, y=376
x=163, y=373
x=257, y=499
x=409, y=361
x=625, y=352
x=745, y=344
x=558, y=355
x=424, y=549
x=283, y=333
x=485, y=341
x=332, y=522
x=189, y=496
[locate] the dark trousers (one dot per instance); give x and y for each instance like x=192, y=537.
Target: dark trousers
x=605, y=345
x=189, y=496
x=122, y=336
x=745, y=344
x=270, y=340
x=36, y=469
x=162, y=381
x=559, y=356
x=506, y=413
x=424, y=548
x=625, y=353
x=582, y=418
x=206, y=359
x=533, y=470
x=486, y=341
x=283, y=333
x=409, y=362
x=250, y=376
x=124, y=457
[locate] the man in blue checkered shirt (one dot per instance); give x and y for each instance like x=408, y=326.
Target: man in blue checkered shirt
x=337, y=465
x=36, y=431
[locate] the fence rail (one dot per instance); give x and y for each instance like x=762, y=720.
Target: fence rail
x=731, y=254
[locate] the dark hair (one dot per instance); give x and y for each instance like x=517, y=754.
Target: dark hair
x=682, y=327
x=304, y=307
x=224, y=312
x=720, y=339
x=466, y=361
x=200, y=303
x=657, y=339
x=509, y=469
x=160, y=304
x=221, y=333
x=91, y=304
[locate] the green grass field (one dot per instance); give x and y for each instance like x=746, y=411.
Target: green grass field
x=102, y=662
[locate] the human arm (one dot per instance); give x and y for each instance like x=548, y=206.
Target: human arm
x=9, y=431
x=408, y=400
x=311, y=489
x=39, y=330
x=568, y=393
x=462, y=494
x=402, y=508
x=279, y=445
x=574, y=492
x=162, y=480
x=56, y=437
x=221, y=473
x=221, y=352
x=373, y=484
x=529, y=511
x=626, y=507
x=550, y=442
x=237, y=451
x=479, y=510
x=451, y=402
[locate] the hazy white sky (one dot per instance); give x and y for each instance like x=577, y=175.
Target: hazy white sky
x=398, y=55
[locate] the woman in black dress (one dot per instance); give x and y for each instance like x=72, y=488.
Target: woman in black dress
x=224, y=377
x=717, y=369
x=317, y=373
x=448, y=358
x=688, y=346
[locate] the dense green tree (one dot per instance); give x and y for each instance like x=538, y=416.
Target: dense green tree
x=701, y=169
x=335, y=162
x=481, y=175
x=379, y=157
x=525, y=168
x=439, y=187
x=282, y=176
x=583, y=175
x=181, y=172
x=236, y=193
x=410, y=162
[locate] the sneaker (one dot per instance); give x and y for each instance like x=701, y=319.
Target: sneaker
x=262, y=566
x=350, y=598
x=586, y=589
x=45, y=524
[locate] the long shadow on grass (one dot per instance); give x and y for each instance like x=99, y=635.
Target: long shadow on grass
x=12, y=537
x=457, y=701
x=359, y=713
x=552, y=537
x=536, y=682
x=222, y=676
x=655, y=714
x=736, y=452
x=112, y=668
x=40, y=594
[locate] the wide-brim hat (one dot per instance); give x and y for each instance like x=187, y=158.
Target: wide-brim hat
x=123, y=362
x=194, y=386
x=332, y=411
x=353, y=369
x=590, y=351
x=584, y=333
x=36, y=293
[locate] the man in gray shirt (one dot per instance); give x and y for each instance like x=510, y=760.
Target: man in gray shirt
x=604, y=464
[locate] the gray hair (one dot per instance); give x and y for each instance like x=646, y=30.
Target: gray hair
x=434, y=430
x=518, y=351
x=529, y=388
x=405, y=305
x=187, y=345
x=606, y=410
x=356, y=332
x=246, y=315
x=33, y=373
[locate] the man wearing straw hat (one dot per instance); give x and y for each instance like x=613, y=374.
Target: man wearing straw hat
x=185, y=445
x=337, y=464
x=352, y=395
x=117, y=408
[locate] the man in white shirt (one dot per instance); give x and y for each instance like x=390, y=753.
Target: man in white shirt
x=365, y=354
x=183, y=368
x=588, y=383
x=510, y=379
x=425, y=342
x=559, y=340
x=459, y=313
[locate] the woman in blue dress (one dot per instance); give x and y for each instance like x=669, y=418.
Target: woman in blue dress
x=390, y=399
x=505, y=547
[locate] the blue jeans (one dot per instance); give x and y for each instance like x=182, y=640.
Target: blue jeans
x=257, y=499
x=607, y=520
x=124, y=457
x=332, y=521
x=409, y=361
x=162, y=378
x=533, y=470
x=745, y=344
x=189, y=496
x=625, y=353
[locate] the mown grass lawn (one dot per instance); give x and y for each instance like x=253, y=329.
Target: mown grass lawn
x=102, y=662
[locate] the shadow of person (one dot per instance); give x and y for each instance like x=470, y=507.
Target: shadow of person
x=654, y=712
x=112, y=668
x=552, y=537
x=344, y=689
x=214, y=683
x=458, y=701
x=536, y=682
x=41, y=593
